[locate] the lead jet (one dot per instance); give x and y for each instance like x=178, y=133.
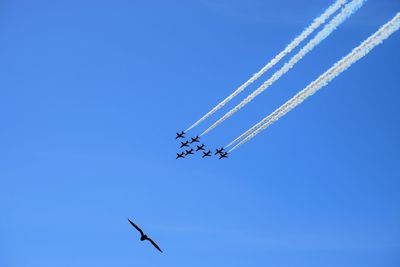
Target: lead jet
x=180, y=135
x=195, y=139
x=223, y=155
x=219, y=151
x=200, y=147
x=182, y=155
x=207, y=154
x=183, y=144
x=189, y=152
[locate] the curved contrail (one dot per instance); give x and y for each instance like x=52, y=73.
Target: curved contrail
x=359, y=52
x=346, y=12
x=310, y=29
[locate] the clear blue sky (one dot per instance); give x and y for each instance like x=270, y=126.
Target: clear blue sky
x=92, y=93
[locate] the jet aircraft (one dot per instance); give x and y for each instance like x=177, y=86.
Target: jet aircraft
x=200, y=147
x=219, y=151
x=195, y=139
x=223, y=155
x=206, y=154
x=180, y=135
x=183, y=144
x=189, y=152
x=144, y=237
x=182, y=155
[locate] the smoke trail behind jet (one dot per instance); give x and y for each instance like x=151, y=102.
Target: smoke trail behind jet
x=322, y=78
x=346, y=12
x=293, y=100
x=362, y=50
x=309, y=30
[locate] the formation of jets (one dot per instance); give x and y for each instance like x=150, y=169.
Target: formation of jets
x=192, y=150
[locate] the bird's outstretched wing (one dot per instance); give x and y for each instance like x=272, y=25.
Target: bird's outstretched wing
x=154, y=244
x=136, y=227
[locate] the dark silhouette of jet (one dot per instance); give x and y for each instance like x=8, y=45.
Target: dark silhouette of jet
x=144, y=237
x=223, y=155
x=180, y=135
x=219, y=151
x=188, y=152
x=200, y=147
x=207, y=154
x=182, y=155
x=195, y=139
x=183, y=144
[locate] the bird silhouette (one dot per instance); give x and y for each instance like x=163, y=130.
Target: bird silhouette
x=144, y=237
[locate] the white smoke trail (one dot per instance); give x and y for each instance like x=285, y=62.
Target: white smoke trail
x=322, y=78
x=316, y=83
x=357, y=53
x=315, y=86
x=309, y=30
x=346, y=12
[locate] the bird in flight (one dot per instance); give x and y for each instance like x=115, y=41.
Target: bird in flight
x=144, y=237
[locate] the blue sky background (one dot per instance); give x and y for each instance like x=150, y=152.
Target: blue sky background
x=92, y=93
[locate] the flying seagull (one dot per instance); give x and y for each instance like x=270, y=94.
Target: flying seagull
x=144, y=237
